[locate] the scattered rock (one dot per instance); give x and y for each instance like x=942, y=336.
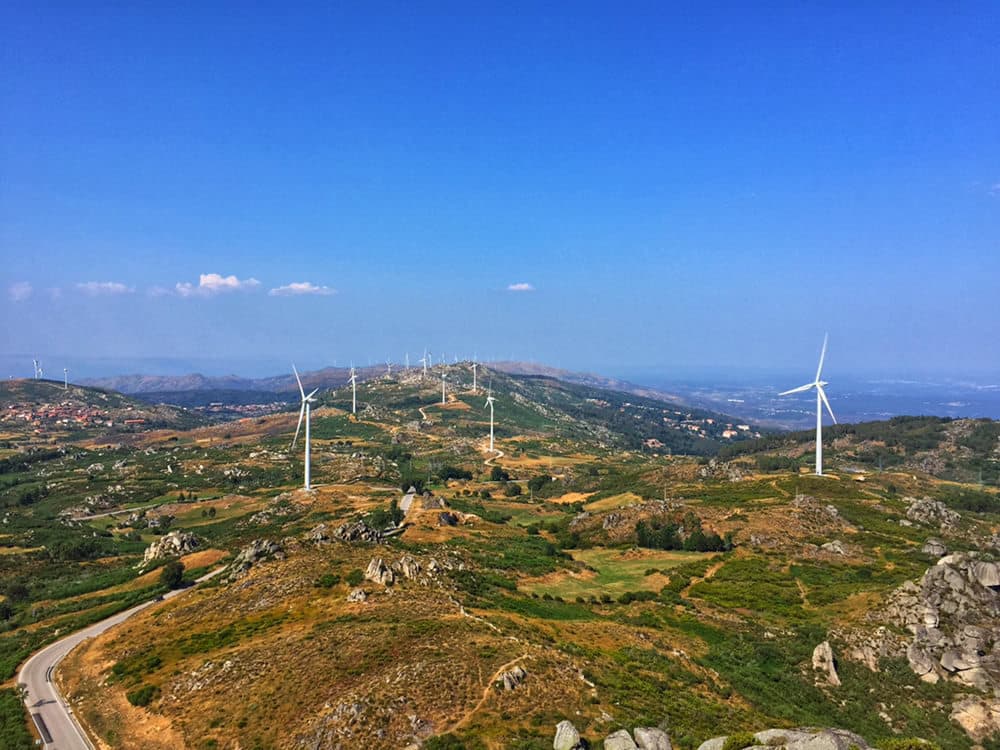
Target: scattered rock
x=799, y=739
x=932, y=513
x=651, y=738
x=357, y=531
x=379, y=572
x=512, y=678
x=934, y=547
x=953, y=614
x=835, y=547
x=447, y=519
x=408, y=567
x=174, y=544
x=357, y=595
x=620, y=740
x=978, y=717
x=567, y=738
x=822, y=661
x=257, y=550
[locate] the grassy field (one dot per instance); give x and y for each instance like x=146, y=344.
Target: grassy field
x=612, y=572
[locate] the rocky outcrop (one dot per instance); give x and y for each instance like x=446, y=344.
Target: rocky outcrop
x=620, y=740
x=651, y=738
x=408, y=567
x=357, y=596
x=934, y=548
x=174, y=544
x=256, y=551
x=953, y=614
x=512, y=678
x=932, y=513
x=822, y=661
x=567, y=738
x=798, y=739
x=978, y=717
x=378, y=572
x=357, y=531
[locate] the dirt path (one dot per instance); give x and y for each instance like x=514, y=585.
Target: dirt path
x=486, y=694
x=712, y=570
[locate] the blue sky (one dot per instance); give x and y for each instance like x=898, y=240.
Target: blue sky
x=679, y=186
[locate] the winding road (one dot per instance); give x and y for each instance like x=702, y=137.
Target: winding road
x=51, y=714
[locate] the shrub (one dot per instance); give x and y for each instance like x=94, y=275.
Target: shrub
x=739, y=741
x=497, y=474
x=327, y=581
x=142, y=696
x=355, y=577
x=906, y=743
x=512, y=489
x=172, y=575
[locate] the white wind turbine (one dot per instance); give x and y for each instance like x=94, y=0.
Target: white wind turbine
x=354, y=390
x=474, y=366
x=65, y=379
x=444, y=376
x=388, y=368
x=821, y=400
x=489, y=403
x=423, y=361
x=304, y=413
x=407, y=361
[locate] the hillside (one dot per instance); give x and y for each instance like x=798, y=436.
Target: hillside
x=46, y=410
x=631, y=586
x=962, y=450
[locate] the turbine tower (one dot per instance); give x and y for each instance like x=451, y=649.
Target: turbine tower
x=388, y=368
x=304, y=413
x=354, y=391
x=65, y=379
x=821, y=400
x=444, y=375
x=407, y=361
x=489, y=403
x=474, y=366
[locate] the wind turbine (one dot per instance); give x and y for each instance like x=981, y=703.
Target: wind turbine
x=821, y=400
x=407, y=361
x=388, y=368
x=474, y=366
x=65, y=379
x=444, y=375
x=304, y=412
x=354, y=390
x=489, y=403
x=423, y=361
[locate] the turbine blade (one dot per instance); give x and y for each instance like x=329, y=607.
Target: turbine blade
x=298, y=380
x=309, y=397
x=801, y=388
x=302, y=413
x=822, y=355
x=822, y=395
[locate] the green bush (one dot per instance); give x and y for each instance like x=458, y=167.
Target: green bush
x=172, y=575
x=739, y=741
x=355, y=577
x=142, y=696
x=327, y=581
x=906, y=743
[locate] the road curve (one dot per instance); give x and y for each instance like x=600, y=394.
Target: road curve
x=51, y=714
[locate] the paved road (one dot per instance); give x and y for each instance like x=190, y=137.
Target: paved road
x=52, y=716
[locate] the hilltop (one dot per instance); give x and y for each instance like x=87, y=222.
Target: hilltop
x=580, y=572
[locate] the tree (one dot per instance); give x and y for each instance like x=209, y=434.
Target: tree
x=172, y=574
x=497, y=474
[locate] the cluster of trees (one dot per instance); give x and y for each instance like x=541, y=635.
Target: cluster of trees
x=381, y=518
x=689, y=535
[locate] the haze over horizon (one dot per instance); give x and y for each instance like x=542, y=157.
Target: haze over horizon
x=595, y=188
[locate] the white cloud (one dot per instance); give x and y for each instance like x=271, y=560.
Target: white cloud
x=995, y=189
x=301, y=287
x=19, y=291
x=213, y=283
x=94, y=288
x=521, y=286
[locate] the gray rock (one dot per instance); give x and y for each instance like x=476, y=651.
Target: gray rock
x=830, y=739
x=567, y=738
x=777, y=737
x=715, y=743
x=934, y=547
x=357, y=595
x=835, y=547
x=357, y=531
x=932, y=513
x=651, y=738
x=978, y=717
x=822, y=661
x=174, y=544
x=512, y=678
x=620, y=740
x=378, y=572
x=256, y=551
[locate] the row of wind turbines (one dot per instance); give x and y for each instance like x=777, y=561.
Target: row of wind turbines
x=816, y=384
x=309, y=399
